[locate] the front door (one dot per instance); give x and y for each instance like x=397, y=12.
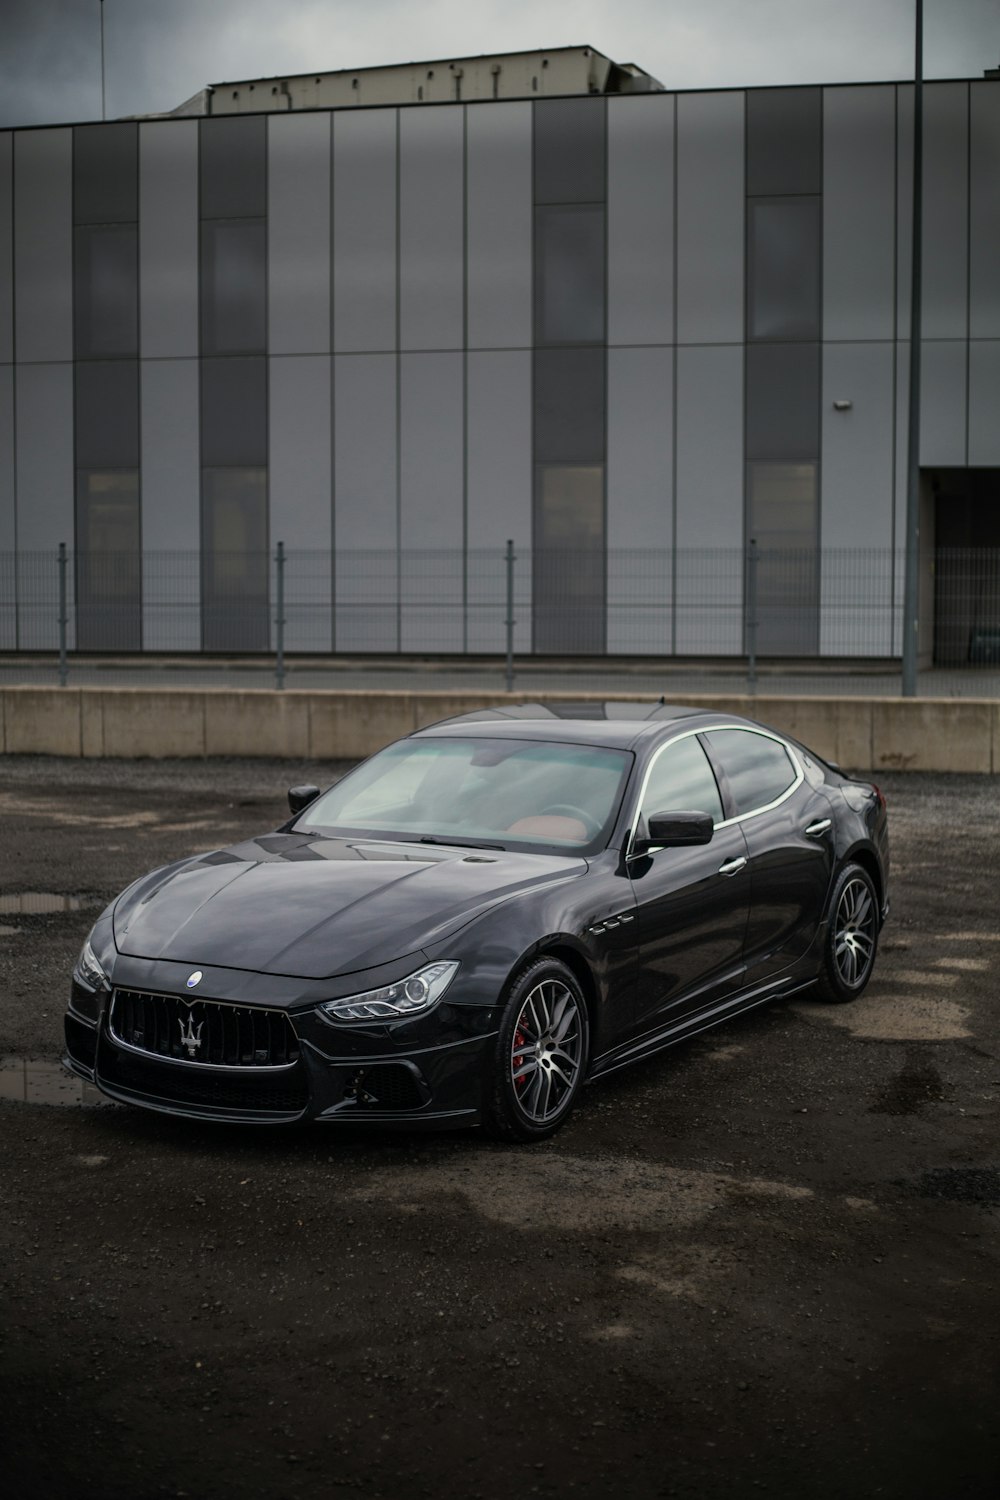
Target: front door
x=692, y=904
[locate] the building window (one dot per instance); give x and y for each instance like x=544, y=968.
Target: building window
x=782, y=401
x=784, y=523
x=235, y=560
x=784, y=233
x=569, y=405
x=783, y=263
x=569, y=568
x=234, y=522
x=106, y=427
x=569, y=274
x=233, y=286
x=570, y=151
x=106, y=290
x=107, y=414
x=569, y=401
x=233, y=163
x=784, y=141
x=106, y=174
x=108, y=585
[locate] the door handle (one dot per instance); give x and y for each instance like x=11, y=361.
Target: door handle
x=815, y=829
x=733, y=866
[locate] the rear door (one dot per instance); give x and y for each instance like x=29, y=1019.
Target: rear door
x=790, y=844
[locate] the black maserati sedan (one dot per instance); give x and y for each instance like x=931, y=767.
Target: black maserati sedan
x=483, y=916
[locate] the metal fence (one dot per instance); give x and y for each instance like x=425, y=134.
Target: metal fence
x=729, y=615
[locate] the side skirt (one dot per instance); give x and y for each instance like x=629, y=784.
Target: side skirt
x=669, y=1036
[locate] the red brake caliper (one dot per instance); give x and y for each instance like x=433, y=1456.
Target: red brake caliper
x=520, y=1040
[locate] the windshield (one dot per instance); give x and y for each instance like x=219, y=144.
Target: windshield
x=498, y=793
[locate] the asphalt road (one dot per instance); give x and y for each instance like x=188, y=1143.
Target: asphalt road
x=764, y=1263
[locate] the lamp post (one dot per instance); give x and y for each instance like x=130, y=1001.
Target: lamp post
x=103, y=114
x=911, y=583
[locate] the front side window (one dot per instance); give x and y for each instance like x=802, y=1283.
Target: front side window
x=757, y=768
x=682, y=780
x=500, y=792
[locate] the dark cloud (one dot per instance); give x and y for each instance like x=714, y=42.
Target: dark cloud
x=159, y=52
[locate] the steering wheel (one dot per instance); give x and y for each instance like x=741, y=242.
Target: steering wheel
x=569, y=810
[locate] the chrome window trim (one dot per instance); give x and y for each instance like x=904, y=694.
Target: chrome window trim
x=258, y=1070
x=754, y=812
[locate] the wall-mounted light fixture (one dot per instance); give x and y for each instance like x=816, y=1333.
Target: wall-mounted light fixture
x=842, y=405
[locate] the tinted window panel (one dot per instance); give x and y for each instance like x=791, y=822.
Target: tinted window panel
x=782, y=402
x=233, y=178
x=105, y=174
x=570, y=151
x=569, y=405
x=682, y=781
x=105, y=283
x=235, y=560
x=784, y=264
x=568, y=560
x=234, y=286
x=784, y=141
x=233, y=411
x=107, y=414
x=757, y=769
x=108, y=603
x=783, y=517
x=569, y=267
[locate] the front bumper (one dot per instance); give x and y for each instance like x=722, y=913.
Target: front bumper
x=406, y=1076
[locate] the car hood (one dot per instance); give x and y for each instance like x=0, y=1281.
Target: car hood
x=315, y=907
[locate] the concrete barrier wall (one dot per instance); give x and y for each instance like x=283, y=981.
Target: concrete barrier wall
x=911, y=734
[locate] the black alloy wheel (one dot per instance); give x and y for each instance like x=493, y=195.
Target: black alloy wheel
x=541, y=1054
x=852, y=937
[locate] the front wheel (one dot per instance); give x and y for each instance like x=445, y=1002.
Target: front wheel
x=851, y=938
x=541, y=1054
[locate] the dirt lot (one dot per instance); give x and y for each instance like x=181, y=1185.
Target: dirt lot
x=763, y=1263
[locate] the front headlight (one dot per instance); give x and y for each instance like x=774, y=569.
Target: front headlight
x=407, y=997
x=88, y=971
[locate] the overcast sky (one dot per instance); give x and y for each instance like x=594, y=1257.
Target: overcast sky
x=159, y=52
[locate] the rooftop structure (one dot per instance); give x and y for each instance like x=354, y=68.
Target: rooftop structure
x=507, y=75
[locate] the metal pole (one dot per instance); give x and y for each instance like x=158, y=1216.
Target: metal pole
x=63, y=616
x=103, y=113
x=752, y=615
x=279, y=635
x=911, y=584
x=509, y=675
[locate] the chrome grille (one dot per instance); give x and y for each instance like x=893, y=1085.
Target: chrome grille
x=203, y=1033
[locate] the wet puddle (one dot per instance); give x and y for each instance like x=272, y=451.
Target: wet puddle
x=39, y=1080
x=38, y=903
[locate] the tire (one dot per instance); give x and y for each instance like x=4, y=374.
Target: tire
x=851, y=938
x=541, y=1054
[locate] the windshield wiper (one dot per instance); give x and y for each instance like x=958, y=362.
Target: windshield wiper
x=429, y=838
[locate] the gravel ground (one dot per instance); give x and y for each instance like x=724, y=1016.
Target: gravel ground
x=765, y=1262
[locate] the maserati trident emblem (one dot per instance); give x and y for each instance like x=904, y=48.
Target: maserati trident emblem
x=193, y=979
x=191, y=1034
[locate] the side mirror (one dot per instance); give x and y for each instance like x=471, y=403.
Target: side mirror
x=299, y=797
x=675, y=830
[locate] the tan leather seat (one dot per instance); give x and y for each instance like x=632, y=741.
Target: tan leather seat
x=550, y=826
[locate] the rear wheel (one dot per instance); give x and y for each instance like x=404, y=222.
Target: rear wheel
x=852, y=937
x=541, y=1054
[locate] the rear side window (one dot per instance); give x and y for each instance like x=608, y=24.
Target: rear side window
x=757, y=768
x=682, y=781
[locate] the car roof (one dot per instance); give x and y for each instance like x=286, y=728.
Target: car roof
x=614, y=724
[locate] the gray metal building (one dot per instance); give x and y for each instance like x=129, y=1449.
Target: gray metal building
x=629, y=329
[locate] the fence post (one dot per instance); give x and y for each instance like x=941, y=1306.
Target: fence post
x=63, y=615
x=752, y=615
x=279, y=632
x=509, y=622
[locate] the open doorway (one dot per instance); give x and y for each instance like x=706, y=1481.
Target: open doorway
x=966, y=566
